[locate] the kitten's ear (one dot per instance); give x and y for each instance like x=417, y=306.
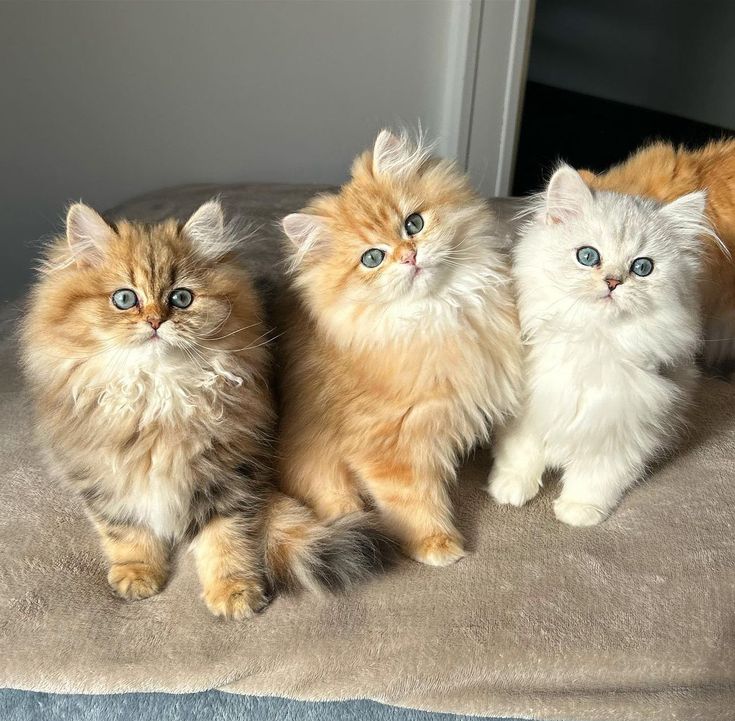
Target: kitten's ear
x=397, y=154
x=688, y=215
x=207, y=232
x=87, y=234
x=567, y=195
x=303, y=230
x=687, y=210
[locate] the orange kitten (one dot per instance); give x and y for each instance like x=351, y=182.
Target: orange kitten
x=143, y=347
x=402, y=348
x=665, y=173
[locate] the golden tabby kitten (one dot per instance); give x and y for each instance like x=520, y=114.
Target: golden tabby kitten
x=144, y=349
x=402, y=347
x=665, y=173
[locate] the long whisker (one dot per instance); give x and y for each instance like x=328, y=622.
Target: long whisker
x=227, y=335
x=247, y=347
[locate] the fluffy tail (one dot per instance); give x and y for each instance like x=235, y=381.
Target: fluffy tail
x=300, y=551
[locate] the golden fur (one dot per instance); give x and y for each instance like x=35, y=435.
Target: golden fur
x=160, y=416
x=665, y=173
x=390, y=374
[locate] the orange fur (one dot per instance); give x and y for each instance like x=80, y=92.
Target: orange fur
x=166, y=434
x=140, y=425
x=665, y=173
x=384, y=381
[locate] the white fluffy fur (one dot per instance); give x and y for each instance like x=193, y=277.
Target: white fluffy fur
x=159, y=388
x=607, y=373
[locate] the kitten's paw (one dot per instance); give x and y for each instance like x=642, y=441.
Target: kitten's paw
x=441, y=549
x=578, y=514
x=235, y=598
x=135, y=581
x=511, y=489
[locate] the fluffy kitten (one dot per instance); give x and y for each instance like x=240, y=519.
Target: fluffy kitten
x=665, y=173
x=608, y=302
x=402, y=348
x=145, y=352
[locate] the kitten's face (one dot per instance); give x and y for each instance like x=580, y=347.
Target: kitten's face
x=144, y=291
x=404, y=229
x=609, y=255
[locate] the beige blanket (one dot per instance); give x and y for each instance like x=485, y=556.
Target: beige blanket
x=633, y=619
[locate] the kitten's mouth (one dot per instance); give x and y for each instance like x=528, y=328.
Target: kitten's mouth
x=415, y=271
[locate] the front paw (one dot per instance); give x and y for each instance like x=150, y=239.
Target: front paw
x=441, y=549
x=235, y=598
x=135, y=581
x=578, y=514
x=513, y=489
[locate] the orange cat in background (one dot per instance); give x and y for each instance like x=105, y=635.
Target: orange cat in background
x=402, y=347
x=665, y=173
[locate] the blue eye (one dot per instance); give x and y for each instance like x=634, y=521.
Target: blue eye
x=642, y=267
x=124, y=299
x=181, y=297
x=588, y=256
x=372, y=258
x=414, y=224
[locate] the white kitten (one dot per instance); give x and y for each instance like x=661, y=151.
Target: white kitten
x=607, y=295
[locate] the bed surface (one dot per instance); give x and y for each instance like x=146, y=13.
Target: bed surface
x=633, y=619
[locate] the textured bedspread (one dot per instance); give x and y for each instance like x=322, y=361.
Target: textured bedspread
x=634, y=619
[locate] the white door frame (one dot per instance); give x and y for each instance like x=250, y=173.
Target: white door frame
x=484, y=95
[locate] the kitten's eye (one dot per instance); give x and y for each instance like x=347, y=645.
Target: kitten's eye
x=414, y=224
x=588, y=256
x=124, y=299
x=372, y=258
x=181, y=297
x=642, y=267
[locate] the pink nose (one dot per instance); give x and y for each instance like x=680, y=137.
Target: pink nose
x=612, y=283
x=154, y=323
x=409, y=256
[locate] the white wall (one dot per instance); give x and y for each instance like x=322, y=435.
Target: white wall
x=104, y=100
x=107, y=100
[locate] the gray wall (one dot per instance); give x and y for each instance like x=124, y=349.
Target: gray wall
x=104, y=100
x=676, y=56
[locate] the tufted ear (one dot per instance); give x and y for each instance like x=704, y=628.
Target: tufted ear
x=207, y=231
x=688, y=216
x=397, y=154
x=567, y=195
x=687, y=211
x=303, y=229
x=87, y=233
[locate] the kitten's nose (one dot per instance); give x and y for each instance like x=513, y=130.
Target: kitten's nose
x=613, y=283
x=154, y=322
x=408, y=256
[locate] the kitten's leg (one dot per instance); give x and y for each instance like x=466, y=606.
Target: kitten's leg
x=417, y=510
x=230, y=567
x=519, y=463
x=139, y=560
x=322, y=482
x=592, y=487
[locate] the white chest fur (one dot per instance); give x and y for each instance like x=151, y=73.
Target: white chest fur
x=154, y=419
